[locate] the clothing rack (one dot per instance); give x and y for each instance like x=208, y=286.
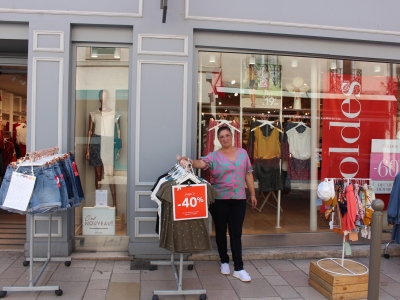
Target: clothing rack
x=182, y=173
x=178, y=278
x=341, y=261
x=34, y=156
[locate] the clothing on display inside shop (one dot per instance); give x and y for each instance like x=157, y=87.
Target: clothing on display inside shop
x=264, y=149
x=102, y=142
x=297, y=135
x=212, y=143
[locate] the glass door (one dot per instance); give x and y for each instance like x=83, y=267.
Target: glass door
x=101, y=147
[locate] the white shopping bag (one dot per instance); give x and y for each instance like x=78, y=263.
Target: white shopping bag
x=19, y=192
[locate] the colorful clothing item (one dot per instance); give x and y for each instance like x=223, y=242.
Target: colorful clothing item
x=228, y=177
x=267, y=147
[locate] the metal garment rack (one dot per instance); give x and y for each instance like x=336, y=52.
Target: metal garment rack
x=29, y=261
x=341, y=261
x=178, y=278
x=265, y=198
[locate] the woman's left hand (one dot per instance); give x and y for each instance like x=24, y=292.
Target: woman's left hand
x=253, y=201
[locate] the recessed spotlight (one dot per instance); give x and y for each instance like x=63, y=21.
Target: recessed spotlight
x=233, y=81
x=236, y=94
x=294, y=63
x=14, y=78
x=377, y=68
x=219, y=103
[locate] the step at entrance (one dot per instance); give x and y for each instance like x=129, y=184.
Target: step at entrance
x=12, y=231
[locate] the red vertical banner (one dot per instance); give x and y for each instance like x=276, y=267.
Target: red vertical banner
x=355, y=110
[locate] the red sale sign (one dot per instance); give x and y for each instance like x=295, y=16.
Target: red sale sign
x=190, y=202
x=353, y=113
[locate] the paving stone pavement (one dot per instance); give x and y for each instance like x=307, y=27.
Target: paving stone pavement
x=90, y=279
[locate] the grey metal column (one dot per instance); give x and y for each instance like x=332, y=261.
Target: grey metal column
x=375, y=250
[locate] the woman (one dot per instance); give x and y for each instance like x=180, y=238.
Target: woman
x=230, y=169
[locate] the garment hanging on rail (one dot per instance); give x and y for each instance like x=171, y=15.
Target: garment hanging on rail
x=264, y=150
x=183, y=236
x=186, y=236
x=57, y=186
x=212, y=142
x=299, y=169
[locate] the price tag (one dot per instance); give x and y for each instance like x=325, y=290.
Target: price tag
x=190, y=202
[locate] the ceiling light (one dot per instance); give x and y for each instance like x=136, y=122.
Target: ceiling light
x=252, y=60
x=211, y=59
x=21, y=81
x=233, y=81
x=14, y=78
x=236, y=94
x=377, y=68
x=333, y=64
x=219, y=103
x=116, y=53
x=294, y=63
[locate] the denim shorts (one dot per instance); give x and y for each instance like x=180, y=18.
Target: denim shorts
x=77, y=177
x=6, y=183
x=76, y=201
x=46, y=196
x=62, y=186
x=68, y=179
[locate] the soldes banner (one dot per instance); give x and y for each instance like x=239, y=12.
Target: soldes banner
x=355, y=110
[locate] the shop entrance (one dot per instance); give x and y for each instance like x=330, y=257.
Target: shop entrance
x=289, y=114
x=13, y=108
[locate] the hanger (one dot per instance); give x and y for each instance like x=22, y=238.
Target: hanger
x=228, y=123
x=300, y=123
x=266, y=122
x=188, y=176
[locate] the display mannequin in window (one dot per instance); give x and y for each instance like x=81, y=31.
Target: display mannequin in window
x=104, y=142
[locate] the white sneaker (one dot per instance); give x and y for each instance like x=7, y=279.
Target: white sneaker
x=242, y=275
x=225, y=269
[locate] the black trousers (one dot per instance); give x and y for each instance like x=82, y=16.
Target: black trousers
x=229, y=213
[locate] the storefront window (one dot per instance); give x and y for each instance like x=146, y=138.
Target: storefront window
x=301, y=120
x=101, y=147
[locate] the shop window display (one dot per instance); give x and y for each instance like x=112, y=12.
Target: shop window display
x=301, y=120
x=101, y=146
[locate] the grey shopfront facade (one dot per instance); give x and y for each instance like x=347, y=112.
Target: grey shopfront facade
x=163, y=76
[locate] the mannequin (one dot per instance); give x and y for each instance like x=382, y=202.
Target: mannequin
x=103, y=132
